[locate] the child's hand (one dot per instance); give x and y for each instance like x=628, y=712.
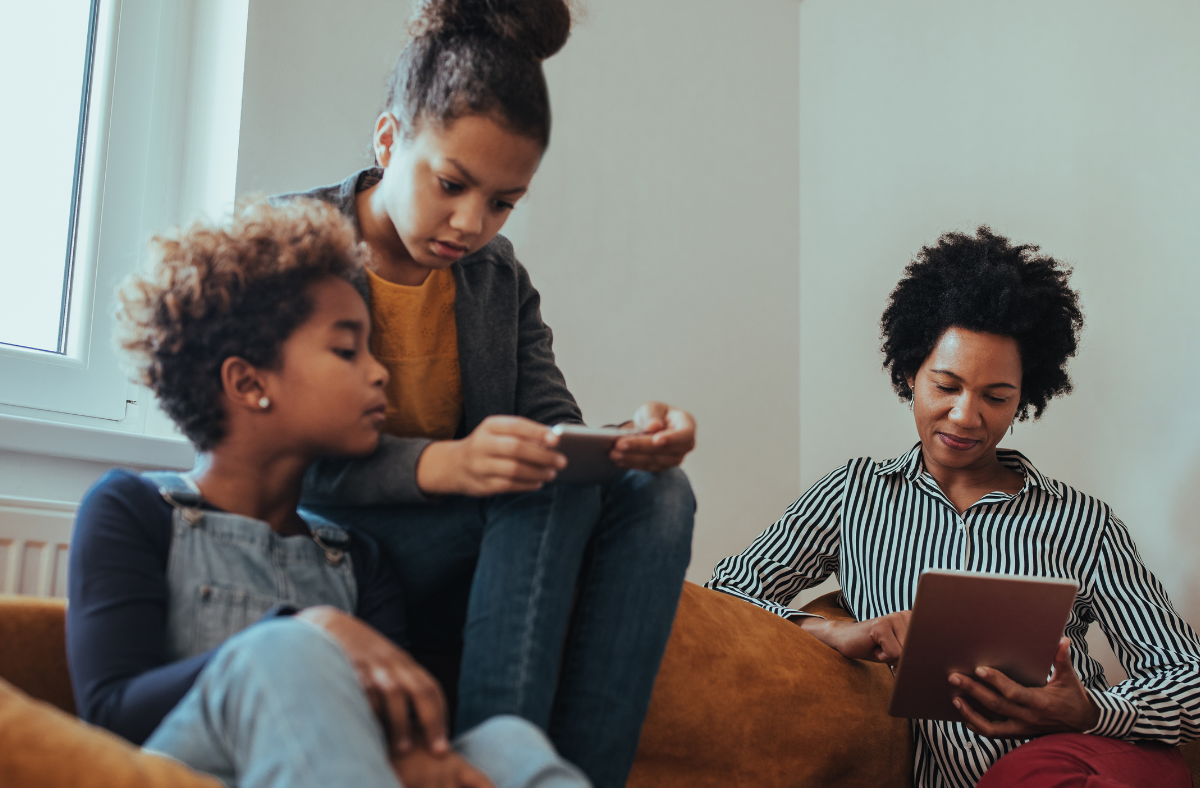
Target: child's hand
x=392, y=680
x=505, y=454
x=419, y=768
x=668, y=435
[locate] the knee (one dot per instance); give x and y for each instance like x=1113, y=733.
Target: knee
x=277, y=647
x=667, y=499
x=515, y=752
x=507, y=731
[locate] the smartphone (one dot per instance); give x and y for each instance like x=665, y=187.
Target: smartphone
x=586, y=450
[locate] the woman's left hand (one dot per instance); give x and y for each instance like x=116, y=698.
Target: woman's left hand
x=1062, y=706
x=668, y=434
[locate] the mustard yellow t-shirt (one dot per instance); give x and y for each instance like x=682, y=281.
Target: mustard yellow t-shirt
x=414, y=335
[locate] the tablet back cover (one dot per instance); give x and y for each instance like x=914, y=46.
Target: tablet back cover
x=965, y=620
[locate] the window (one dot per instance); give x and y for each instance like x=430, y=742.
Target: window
x=107, y=138
x=43, y=163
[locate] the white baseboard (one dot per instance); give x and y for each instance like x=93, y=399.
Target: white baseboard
x=34, y=537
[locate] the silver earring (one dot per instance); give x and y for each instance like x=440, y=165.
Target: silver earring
x=911, y=402
x=1012, y=425
x=264, y=403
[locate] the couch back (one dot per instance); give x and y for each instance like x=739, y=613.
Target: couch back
x=33, y=648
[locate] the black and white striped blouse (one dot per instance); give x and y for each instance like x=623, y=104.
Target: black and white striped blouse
x=878, y=525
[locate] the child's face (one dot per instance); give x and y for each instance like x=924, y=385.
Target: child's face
x=449, y=191
x=327, y=395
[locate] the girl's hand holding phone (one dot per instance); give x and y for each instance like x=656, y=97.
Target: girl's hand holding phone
x=391, y=678
x=666, y=436
x=504, y=454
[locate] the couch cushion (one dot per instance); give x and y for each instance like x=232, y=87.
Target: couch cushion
x=44, y=747
x=747, y=698
x=33, y=651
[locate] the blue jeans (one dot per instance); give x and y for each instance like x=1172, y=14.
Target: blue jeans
x=562, y=601
x=280, y=706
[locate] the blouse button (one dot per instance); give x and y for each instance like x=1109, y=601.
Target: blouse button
x=205, y=592
x=970, y=745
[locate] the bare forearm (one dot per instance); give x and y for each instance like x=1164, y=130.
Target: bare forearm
x=820, y=628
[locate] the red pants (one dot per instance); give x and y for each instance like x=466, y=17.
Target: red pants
x=1073, y=760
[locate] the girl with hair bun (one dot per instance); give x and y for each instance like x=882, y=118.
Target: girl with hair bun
x=544, y=600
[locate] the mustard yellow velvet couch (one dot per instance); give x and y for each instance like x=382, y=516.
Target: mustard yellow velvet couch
x=743, y=699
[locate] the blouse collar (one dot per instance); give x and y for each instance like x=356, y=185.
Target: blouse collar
x=912, y=465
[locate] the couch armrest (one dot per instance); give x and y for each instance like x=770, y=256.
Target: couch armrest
x=746, y=698
x=33, y=649
x=39, y=745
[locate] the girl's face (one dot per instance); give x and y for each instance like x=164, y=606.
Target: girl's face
x=327, y=393
x=449, y=191
x=965, y=396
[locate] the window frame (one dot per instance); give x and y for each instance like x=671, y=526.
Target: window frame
x=161, y=147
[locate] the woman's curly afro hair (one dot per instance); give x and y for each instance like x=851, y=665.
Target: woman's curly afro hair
x=238, y=288
x=985, y=284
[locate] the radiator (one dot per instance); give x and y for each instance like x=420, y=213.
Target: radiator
x=34, y=535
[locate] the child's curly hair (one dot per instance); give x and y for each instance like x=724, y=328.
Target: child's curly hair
x=235, y=288
x=987, y=284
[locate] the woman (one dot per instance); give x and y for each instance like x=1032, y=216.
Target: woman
x=976, y=336
x=556, y=600
x=208, y=617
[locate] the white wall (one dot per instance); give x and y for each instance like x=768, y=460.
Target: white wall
x=1071, y=124
x=661, y=229
x=314, y=82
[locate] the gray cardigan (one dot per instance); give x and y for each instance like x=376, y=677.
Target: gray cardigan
x=505, y=355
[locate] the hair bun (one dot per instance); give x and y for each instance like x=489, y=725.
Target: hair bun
x=539, y=27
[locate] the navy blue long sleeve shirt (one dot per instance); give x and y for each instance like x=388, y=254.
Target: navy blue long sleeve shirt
x=117, y=616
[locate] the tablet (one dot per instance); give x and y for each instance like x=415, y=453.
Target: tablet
x=964, y=620
x=587, y=450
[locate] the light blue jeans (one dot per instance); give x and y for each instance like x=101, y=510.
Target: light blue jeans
x=280, y=706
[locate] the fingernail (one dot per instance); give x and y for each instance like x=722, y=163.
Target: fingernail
x=957, y=703
x=954, y=679
x=981, y=672
x=561, y=462
x=550, y=475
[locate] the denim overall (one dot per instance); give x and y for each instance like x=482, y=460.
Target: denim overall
x=225, y=571
x=279, y=704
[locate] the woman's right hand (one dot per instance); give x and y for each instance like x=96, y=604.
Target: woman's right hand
x=392, y=680
x=504, y=454
x=876, y=639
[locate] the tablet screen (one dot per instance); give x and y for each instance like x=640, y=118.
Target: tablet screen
x=964, y=620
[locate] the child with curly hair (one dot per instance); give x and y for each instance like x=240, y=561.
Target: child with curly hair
x=555, y=599
x=210, y=618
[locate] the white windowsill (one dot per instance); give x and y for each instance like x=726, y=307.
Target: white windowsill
x=34, y=436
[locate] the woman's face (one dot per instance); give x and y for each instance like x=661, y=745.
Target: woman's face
x=449, y=191
x=327, y=394
x=965, y=396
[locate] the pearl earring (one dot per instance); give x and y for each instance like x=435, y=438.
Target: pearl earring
x=264, y=403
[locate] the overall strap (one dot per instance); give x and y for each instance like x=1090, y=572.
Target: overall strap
x=180, y=491
x=333, y=539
